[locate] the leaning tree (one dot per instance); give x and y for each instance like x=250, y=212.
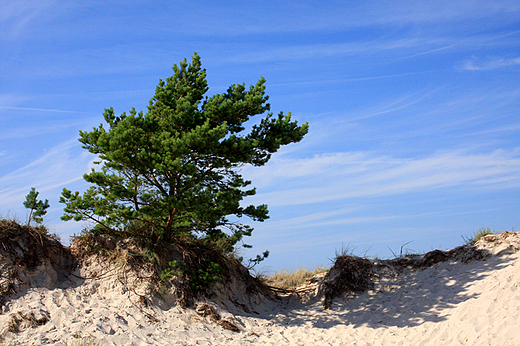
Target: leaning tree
x=175, y=170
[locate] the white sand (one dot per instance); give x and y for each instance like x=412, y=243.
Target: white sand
x=474, y=303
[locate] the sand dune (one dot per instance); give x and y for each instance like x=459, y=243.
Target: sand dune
x=448, y=303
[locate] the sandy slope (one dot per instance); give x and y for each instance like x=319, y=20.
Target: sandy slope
x=450, y=303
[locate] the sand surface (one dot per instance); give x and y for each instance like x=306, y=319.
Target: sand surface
x=449, y=303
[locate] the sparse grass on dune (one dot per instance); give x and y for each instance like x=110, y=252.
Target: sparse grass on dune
x=285, y=279
x=10, y=217
x=291, y=279
x=479, y=233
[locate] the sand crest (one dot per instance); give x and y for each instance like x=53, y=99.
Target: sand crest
x=452, y=302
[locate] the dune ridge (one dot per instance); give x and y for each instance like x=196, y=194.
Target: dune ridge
x=459, y=300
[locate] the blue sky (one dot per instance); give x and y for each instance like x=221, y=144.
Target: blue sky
x=413, y=109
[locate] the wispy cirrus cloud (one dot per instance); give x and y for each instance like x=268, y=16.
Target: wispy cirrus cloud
x=306, y=16
x=398, y=104
x=39, y=109
x=318, y=50
x=37, y=121
x=57, y=167
x=41, y=129
x=447, y=110
x=343, y=176
x=17, y=16
x=249, y=18
x=352, y=79
x=398, y=48
x=410, y=11
x=491, y=63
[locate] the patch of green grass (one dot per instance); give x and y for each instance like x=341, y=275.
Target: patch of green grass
x=479, y=233
x=344, y=250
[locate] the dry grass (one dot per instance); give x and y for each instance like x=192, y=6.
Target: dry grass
x=10, y=217
x=297, y=277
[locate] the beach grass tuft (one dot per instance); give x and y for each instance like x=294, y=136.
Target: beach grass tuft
x=479, y=233
x=290, y=279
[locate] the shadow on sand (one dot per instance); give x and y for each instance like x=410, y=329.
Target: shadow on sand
x=402, y=295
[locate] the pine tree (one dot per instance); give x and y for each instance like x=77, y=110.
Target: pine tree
x=37, y=208
x=174, y=170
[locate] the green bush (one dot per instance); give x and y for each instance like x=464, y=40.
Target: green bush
x=199, y=278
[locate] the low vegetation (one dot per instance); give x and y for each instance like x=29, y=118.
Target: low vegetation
x=291, y=279
x=479, y=233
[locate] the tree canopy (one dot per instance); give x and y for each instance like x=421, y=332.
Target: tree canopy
x=174, y=170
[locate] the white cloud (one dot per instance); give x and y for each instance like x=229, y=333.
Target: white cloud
x=394, y=48
x=37, y=130
x=17, y=16
x=491, y=63
x=59, y=166
x=294, y=16
x=353, y=79
x=39, y=109
x=395, y=105
x=342, y=176
x=312, y=51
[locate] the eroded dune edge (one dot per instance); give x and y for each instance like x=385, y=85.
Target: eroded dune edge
x=468, y=295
